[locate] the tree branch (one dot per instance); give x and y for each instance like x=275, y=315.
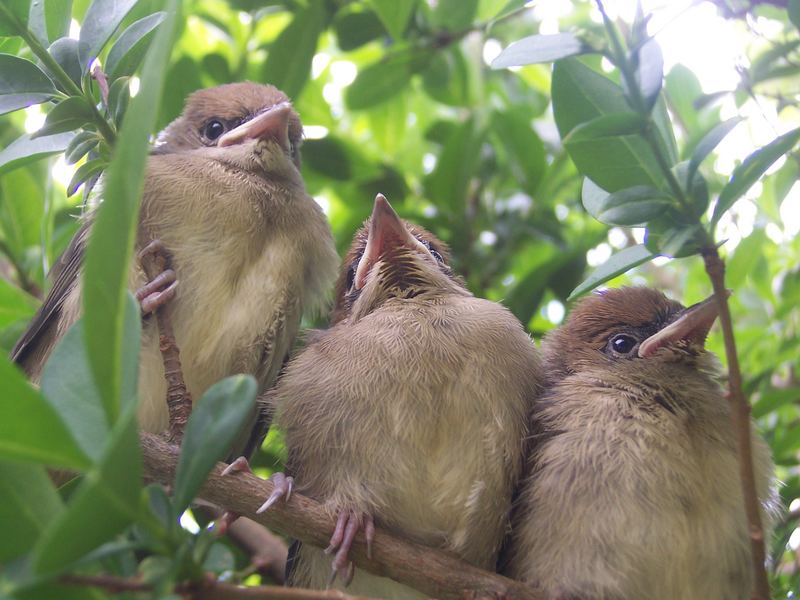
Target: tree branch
x=740, y=414
x=430, y=571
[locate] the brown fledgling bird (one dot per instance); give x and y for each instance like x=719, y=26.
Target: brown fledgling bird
x=633, y=486
x=251, y=249
x=411, y=409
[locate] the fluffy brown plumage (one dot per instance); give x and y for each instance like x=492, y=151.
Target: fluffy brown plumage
x=633, y=488
x=251, y=249
x=412, y=407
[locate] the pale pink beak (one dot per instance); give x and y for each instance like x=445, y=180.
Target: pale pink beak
x=271, y=124
x=386, y=231
x=692, y=325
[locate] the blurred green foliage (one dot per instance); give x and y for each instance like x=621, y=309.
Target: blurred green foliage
x=397, y=96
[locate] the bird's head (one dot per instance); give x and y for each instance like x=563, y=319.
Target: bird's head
x=248, y=126
x=629, y=328
x=391, y=258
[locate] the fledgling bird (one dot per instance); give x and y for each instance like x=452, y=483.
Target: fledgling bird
x=251, y=249
x=633, y=489
x=411, y=409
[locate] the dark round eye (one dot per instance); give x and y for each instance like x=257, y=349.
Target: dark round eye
x=436, y=255
x=623, y=344
x=213, y=129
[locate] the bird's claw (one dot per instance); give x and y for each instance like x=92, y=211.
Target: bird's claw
x=283, y=486
x=237, y=466
x=347, y=525
x=161, y=287
x=222, y=524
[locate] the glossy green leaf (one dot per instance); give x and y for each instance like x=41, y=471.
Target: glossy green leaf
x=751, y=170
x=106, y=502
x=288, y=64
x=13, y=15
x=354, y=28
x=610, y=125
x=710, y=141
x=216, y=420
x=99, y=24
x=80, y=145
x=628, y=207
x=394, y=15
x=49, y=20
x=119, y=96
x=65, y=52
x=581, y=95
x=25, y=150
x=69, y=114
x=619, y=263
x=15, y=304
x=28, y=503
x=128, y=51
x=30, y=429
x=383, y=80
x=675, y=240
x=110, y=248
x=696, y=190
x=22, y=83
x=83, y=173
x=538, y=49
x=20, y=219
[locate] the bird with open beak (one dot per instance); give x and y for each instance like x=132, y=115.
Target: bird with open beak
x=633, y=486
x=409, y=412
x=223, y=196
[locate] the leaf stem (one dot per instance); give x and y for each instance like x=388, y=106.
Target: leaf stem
x=740, y=416
x=56, y=71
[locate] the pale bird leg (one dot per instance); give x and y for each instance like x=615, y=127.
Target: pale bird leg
x=161, y=288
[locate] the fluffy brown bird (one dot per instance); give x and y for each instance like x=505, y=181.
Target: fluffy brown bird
x=410, y=409
x=634, y=487
x=252, y=250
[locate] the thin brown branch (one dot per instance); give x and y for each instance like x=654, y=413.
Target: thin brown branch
x=740, y=414
x=430, y=571
x=179, y=399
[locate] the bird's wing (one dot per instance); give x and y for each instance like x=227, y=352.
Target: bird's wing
x=42, y=330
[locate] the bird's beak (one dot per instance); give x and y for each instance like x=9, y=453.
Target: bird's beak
x=272, y=124
x=692, y=325
x=386, y=231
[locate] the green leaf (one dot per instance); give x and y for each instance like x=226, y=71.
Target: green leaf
x=49, y=20
x=709, y=142
x=68, y=385
x=610, y=125
x=106, y=502
x=25, y=150
x=22, y=83
x=30, y=430
x=119, y=96
x=447, y=78
x=288, y=63
x=15, y=304
x=394, y=15
x=18, y=11
x=69, y=114
x=21, y=219
x=794, y=12
x=649, y=72
x=676, y=240
x=774, y=399
x=384, y=79
x=751, y=170
x=454, y=15
x=621, y=262
x=128, y=51
x=216, y=419
x=99, y=24
x=525, y=151
x=110, y=250
x=354, y=28
x=28, y=503
x=84, y=172
x=329, y=157
x=80, y=145
x=614, y=163
x=539, y=49
x=628, y=207
x=447, y=185
x=696, y=189
x=65, y=53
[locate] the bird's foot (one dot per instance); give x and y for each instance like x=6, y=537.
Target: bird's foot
x=222, y=524
x=163, y=282
x=283, y=489
x=347, y=525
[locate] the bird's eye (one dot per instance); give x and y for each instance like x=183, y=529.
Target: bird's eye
x=213, y=129
x=623, y=343
x=436, y=255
